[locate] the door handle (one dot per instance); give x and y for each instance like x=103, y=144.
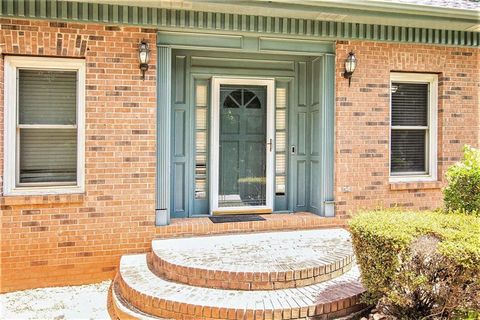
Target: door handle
x=270, y=144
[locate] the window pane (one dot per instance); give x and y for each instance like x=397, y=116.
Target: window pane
x=201, y=142
x=47, y=97
x=409, y=104
x=201, y=136
x=201, y=95
x=408, y=151
x=281, y=98
x=201, y=118
x=281, y=119
x=48, y=155
x=281, y=142
x=280, y=185
x=280, y=163
x=281, y=107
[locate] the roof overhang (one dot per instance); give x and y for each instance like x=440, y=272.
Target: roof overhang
x=386, y=12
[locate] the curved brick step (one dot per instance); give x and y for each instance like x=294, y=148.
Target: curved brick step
x=267, y=261
x=155, y=296
x=122, y=310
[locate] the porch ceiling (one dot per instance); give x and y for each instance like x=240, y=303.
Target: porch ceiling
x=411, y=13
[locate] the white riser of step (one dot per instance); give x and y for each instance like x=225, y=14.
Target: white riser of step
x=153, y=295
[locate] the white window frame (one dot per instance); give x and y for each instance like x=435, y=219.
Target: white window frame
x=11, y=166
x=432, y=139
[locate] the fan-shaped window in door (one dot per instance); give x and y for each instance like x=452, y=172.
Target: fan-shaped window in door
x=251, y=100
x=254, y=104
x=242, y=97
x=230, y=102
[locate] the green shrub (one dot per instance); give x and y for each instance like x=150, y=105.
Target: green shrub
x=463, y=189
x=419, y=264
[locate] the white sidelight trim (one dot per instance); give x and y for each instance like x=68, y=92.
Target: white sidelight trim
x=11, y=165
x=432, y=128
x=215, y=140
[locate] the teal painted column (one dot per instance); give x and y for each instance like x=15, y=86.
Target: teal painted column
x=328, y=136
x=164, y=110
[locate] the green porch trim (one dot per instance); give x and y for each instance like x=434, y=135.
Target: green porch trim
x=164, y=111
x=173, y=19
x=245, y=43
x=327, y=136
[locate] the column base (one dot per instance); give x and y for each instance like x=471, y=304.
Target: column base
x=329, y=208
x=162, y=218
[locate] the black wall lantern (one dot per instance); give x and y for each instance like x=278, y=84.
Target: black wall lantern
x=350, y=65
x=143, y=56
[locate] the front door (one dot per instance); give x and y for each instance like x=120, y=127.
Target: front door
x=242, y=145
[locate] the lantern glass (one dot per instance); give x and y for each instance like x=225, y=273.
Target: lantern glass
x=143, y=57
x=143, y=53
x=350, y=63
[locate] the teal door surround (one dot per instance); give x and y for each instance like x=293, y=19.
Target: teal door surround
x=303, y=71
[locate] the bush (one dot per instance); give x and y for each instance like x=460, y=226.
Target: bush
x=419, y=264
x=463, y=189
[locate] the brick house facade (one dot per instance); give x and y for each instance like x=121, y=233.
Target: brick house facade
x=46, y=237
x=78, y=238
x=362, y=121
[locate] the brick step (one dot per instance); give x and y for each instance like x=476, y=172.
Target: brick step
x=121, y=309
x=180, y=227
x=157, y=297
x=265, y=261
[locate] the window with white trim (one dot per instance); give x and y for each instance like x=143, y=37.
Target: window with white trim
x=413, y=134
x=44, y=125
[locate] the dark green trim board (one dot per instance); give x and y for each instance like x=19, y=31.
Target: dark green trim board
x=327, y=136
x=164, y=111
x=244, y=43
x=176, y=19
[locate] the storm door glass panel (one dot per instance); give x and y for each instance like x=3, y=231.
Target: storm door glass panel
x=242, y=162
x=47, y=127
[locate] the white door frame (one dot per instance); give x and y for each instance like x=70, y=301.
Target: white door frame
x=215, y=141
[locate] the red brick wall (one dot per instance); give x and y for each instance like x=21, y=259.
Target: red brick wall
x=78, y=238
x=362, y=120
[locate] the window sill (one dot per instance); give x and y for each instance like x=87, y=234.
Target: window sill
x=416, y=185
x=18, y=200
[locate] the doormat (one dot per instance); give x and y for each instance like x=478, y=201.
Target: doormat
x=236, y=218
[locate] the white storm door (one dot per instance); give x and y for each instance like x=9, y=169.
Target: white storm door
x=242, y=145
